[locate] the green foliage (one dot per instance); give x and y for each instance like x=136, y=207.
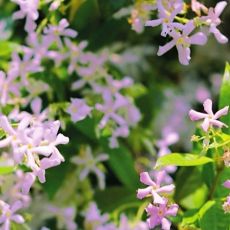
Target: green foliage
x=113, y=197
x=6, y=169
x=187, y=190
x=211, y=216
x=6, y=48
x=122, y=164
x=178, y=159
x=225, y=95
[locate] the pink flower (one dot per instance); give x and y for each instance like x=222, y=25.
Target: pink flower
x=78, y=109
x=54, y=5
x=210, y=119
x=29, y=10
x=38, y=48
x=183, y=41
x=159, y=213
x=55, y=32
x=75, y=53
x=122, y=131
x=65, y=217
x=166, y=18
x=22, y=67
x=91, y=164
x=154, y=189
x=8, y=214
x=227, y=184
x=213, y=19
x=167, y=140
x=9, y=88
x=125, y=225
x=110, y=109
x=96, y=221
x=197, y=7
x=226, y=205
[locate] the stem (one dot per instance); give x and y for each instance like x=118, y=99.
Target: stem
x=213, y=188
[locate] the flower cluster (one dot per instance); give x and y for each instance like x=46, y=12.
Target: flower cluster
x=160, y=207
x=183, y=31
x=30, y=140
x=210, y=120
x=55, y=44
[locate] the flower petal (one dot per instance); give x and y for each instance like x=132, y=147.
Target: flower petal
x=145, y=179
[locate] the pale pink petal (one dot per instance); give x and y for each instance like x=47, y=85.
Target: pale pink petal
x=157, y=198
x=172, y=211
x=205, y=125
x=194, y=115
x=18, y=219
x=166, y=224
x=143, y=192
x=218, y=35
x=145, y=179
x=183, y=54
x=217, y=123
x=198, y=39
x=166, y=189
x=163, y=49
x=220, y=7
x=153, y=23
x=16, y=206
x=221, y=112
x=208, y=106
x=5, y=125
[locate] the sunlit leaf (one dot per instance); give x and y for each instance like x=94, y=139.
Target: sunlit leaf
x=178, y=159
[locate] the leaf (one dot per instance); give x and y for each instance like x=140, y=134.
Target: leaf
x=6, y=169
x=225, y=95
x=113, y=197
x=75, y=5
x=137, y=90
x=178, y=159
x=122, y=164
x=208, y=172
x=6, y=48
x=212, y=216
x=190, y=217
x=196, y=199
x=54, y=179
x=192, y=181
x=220, y=190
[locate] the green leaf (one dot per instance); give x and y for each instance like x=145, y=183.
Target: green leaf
x=212, y=217
x=225, y=95
x=136, y=90
x=187, y=190
x=220, y=190
x=178, y=159
x=190, y=217
x=122, y=164
x=55, y=178
x=6, y=169
x=113, y=197
x=6, y=48
x=195, y=199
